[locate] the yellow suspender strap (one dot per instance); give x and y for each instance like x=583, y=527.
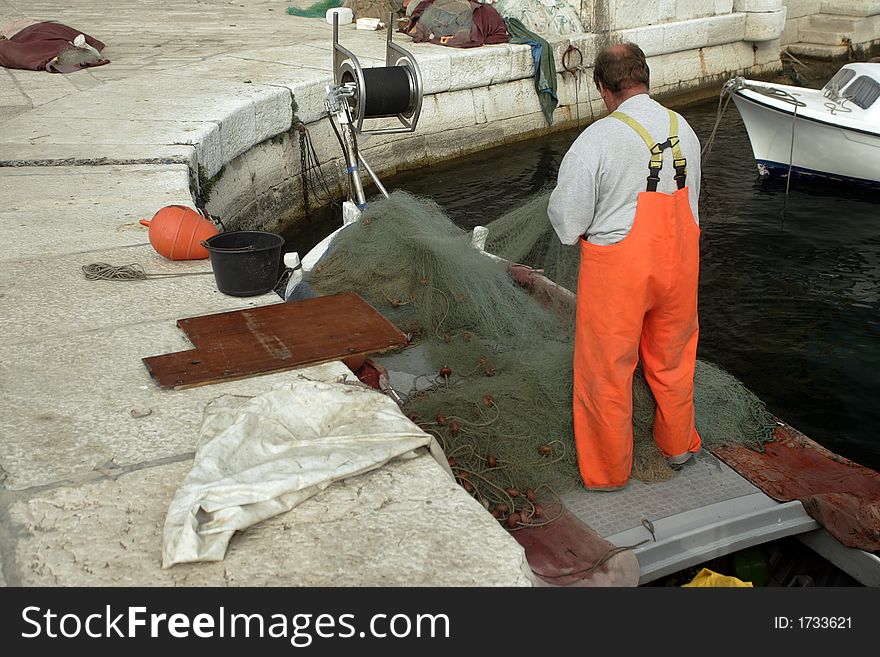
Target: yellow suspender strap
x=678, y=160
x=656, y=153
x=656, y=149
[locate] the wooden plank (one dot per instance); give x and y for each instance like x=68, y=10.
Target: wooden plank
x=275, y=338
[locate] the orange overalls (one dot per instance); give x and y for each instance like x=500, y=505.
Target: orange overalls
x=637, y=298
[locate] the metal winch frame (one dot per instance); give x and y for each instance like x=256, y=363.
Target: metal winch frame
x=358, y=95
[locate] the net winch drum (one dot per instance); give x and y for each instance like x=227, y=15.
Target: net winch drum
x=393, y=90
x=355, y=96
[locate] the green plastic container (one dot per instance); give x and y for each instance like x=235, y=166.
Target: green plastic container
x=752, y=565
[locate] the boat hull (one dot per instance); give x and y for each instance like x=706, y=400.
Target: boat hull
x=820, y=148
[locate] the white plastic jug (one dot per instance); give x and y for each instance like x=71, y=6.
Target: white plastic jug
x=345, y=15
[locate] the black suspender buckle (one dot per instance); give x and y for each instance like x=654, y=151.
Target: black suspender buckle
x=680, y=171
x=653, y=179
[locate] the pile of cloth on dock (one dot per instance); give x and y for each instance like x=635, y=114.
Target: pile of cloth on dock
x=545, y=17
x=455, y=23
x=37, y=45
x=467, y=24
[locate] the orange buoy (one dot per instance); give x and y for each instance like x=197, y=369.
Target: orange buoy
x=177, y=232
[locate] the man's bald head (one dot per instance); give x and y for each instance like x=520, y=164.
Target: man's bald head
x=621, y=67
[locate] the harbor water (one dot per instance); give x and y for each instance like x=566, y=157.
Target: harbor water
x=790, y=280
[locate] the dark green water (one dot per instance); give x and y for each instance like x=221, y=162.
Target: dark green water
x=790, y=306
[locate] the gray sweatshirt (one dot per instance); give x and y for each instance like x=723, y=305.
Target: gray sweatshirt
x=606, y=168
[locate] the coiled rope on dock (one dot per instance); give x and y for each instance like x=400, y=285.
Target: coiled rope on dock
x=102, y=271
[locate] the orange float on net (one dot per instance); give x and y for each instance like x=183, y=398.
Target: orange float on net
x=177, y=232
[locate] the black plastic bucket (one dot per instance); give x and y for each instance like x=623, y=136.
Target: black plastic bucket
x=245, y=262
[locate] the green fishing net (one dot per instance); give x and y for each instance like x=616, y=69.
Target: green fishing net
x=498, y=394
x=525, y=235
x=317, y=10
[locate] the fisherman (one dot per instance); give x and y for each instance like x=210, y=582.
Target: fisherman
x=637, y=284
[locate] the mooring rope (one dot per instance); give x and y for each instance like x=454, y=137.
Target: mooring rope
x=727, y=92
x=729, y=89
x=576, y=72
x=790, y=163
x=723, y=101
x=311, y=172
x=102, y=271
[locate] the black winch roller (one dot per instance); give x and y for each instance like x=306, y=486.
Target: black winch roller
x=389, y=91
x=381, y=93
x=393, y=90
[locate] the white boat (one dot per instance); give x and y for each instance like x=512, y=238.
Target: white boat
x=832, y=132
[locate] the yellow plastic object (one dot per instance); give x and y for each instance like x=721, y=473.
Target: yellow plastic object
x=709, y=578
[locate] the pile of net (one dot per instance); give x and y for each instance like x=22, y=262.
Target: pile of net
x=546, y=17
x=499, y=394
x=316, y=10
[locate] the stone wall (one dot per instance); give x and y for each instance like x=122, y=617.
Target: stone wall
x=798, y=18
x=831, y=23
x=764, y=18
x=484, y=97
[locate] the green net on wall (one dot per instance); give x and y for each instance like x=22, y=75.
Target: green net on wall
x=500, y=391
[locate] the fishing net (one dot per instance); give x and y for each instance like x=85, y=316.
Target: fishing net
x=317, y=10
x=525, y=235
x=499, y=393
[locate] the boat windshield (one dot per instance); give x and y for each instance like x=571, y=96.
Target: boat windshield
x=840, y=80
x=864, y=91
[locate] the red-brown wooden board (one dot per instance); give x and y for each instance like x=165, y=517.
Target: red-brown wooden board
x=284, y=336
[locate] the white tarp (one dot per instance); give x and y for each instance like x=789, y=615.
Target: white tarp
x=262, y=456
